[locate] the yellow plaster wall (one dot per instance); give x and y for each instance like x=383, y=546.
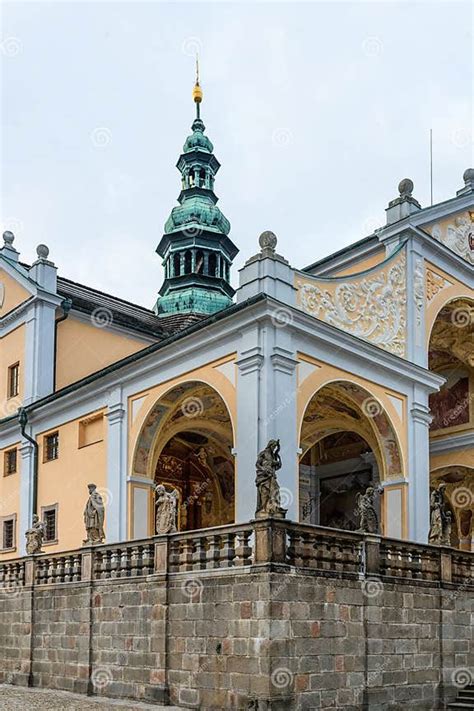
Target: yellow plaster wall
x=363, y=264
x=458, y=458
x=14, y=293
x=12, y=350
x=83, y=348
x=326, y=373
x=441, y=288
x=10, y=496
x=63, y=481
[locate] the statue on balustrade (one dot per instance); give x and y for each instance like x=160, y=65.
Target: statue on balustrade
x=166, y=510
x=268, y=489
x=35, y=536
x=440, y=518
x=94, y=513
x=368, y=519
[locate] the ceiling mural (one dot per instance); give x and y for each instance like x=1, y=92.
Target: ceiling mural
x=371, y=307
x=452, y=336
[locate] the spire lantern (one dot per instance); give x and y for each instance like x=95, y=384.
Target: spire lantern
x=196, y=250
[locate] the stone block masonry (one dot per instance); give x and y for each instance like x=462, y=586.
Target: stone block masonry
x=269, y=615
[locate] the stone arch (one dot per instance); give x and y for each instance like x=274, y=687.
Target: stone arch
x=352, y=407
x=444, y=300
x=186, y=439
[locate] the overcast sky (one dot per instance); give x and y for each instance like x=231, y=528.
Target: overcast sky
x=316, y=111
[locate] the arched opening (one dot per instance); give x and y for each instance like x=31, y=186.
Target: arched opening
x=348, y=444
x=177, y=265
x=451, y=354
x=199, y=262
x=187, y=262
x=212, y=264
x=186, y=444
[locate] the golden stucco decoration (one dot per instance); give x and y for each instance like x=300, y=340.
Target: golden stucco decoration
x=458, y=236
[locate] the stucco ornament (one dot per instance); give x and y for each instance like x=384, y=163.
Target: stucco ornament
x=166, y=510
x=440, y=518
x=434, y=284
x=268, y=489
x=94, y=513
x=368, y=519
x=458, y=236
x=419, y=294
x=372, y=308
x=35, y=536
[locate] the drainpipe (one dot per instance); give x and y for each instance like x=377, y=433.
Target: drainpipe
x=66, y=306
x=23, y=420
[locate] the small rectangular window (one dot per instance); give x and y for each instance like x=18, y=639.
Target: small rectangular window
x=10, y=462
x=14, y=380
x=8, y=534
x=51, y=446
x=50, y=523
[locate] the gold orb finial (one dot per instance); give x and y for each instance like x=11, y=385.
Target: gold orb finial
x=197, y=91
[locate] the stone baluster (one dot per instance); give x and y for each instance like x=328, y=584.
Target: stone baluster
x=227, y=552
x=186, y=554
x=59, y=577
x=68, y=569
x=213, y=553
x=114, y=563
x=200, y=553
x=243, y=551
x=135, y=562
x=76, y=567
x=51, y=571
x=124, y=569
x=147, y=559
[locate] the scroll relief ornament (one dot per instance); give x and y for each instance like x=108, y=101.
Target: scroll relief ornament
x=371, y=308
x=434, y=284
x=458, y=236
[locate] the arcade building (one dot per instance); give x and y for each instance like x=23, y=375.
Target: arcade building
x=362, y=364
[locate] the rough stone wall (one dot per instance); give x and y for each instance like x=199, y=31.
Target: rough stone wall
x=255, y=638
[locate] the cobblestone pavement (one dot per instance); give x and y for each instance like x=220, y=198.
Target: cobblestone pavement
x=16, y=698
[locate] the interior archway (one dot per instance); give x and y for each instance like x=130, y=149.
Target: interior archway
x=348, y=443
x=186, y=444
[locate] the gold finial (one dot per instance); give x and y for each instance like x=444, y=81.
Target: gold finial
x=197, y=91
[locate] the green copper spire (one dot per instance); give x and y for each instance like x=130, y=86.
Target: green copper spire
x=196, y=250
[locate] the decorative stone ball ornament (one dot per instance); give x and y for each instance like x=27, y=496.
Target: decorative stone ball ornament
x=42, y=251
x=405, y=187
x=8, y=237
x=268, y=242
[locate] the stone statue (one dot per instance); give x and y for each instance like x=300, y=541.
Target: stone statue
x=440, y=519
x=34, y=536
x=368, y=519
x=166, y=510
x=94, y=516
x=268, y=489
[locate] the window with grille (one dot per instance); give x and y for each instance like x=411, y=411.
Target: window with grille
x=13, y=380
x=50, y=523
x=51, y=446
x=8, y=534
x=10, y=462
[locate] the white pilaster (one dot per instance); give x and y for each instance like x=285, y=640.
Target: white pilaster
x=116, y=515
x=25, y=504
x=419, y=470
x=39, y=351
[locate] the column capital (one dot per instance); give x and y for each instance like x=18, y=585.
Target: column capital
x=421, y=413
x=115, y=413
x=283, y=360
x=250, y=360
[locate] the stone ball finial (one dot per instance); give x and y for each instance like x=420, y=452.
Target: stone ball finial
x=268, y=241
x=405, y=187
x=42, y=251
x=8, y=237
x=468, y=176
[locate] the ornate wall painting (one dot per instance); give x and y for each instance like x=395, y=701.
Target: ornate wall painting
x=457, y=235
x=450, y=406
x=372, y=307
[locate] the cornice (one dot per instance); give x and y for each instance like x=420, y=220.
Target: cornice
x=452, y=443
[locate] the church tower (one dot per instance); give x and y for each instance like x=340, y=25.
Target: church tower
x=196, y=249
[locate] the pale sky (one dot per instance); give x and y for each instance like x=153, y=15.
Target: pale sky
x=316, y=111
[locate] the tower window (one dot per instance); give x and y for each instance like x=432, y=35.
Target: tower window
x=212, y=264
x=199, y=262
x=51, y=446
x=13, y=380
x=187, y=262
x=10, y=462
x=177, y=265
